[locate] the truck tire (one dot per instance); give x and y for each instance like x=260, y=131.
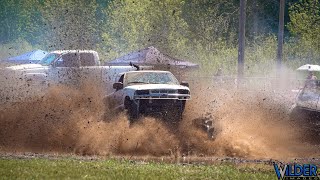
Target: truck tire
x=174, y=114
x=132, y=109
x=298, y=115
x=183, y=105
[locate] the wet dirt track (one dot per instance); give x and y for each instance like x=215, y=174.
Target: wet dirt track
x=248, y=125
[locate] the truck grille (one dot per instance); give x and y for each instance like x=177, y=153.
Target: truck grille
x=170, y=94
x=163, y=91
x=142, y=92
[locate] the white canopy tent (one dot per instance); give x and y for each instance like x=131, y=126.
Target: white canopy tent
x=309, y=67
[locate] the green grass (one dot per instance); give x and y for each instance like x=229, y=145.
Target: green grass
x=119, y=169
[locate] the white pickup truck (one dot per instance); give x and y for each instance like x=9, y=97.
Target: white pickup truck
x=147, y=91
x=59, y=67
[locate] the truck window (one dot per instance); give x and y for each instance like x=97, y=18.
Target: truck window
x=46, y=61
x=87, y=59
x=68, y=60
x=121, y=78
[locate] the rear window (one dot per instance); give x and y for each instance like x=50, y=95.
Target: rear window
x=87, y=59
x=69, y=60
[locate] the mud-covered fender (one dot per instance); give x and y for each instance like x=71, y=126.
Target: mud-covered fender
x=128, y=92
x=36, y=78
x=117, y=98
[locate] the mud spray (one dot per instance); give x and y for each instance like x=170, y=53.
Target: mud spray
x=66, y=120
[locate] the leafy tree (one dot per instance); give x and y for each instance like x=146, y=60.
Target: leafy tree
x=305, y=23
x=70, y=24
x=133, y=25
x=18, y=19
x=211, y=22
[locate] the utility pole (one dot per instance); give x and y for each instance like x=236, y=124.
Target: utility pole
x=280, y=37
x=242, y=23
x=255, y=18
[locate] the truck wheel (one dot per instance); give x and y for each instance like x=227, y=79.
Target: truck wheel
x=174, y=114
x=298, y=115
x=183, y=105
x=133, y=110
x=108, y=109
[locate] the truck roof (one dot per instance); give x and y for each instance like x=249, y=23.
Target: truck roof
x=148, y=71
x=143, y=71
x=73, y=51
x=86, y=57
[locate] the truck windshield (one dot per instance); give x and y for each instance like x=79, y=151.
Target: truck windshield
x=150, y=78
x=47, y=60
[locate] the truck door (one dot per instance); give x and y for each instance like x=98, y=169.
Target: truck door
x=91, y=72
x=117, y=97
x=66, y=69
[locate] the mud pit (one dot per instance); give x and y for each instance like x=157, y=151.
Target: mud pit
x=251, y=125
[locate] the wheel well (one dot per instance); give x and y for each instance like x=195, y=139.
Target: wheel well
x=127, y=102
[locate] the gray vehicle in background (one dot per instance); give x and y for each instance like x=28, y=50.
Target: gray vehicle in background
x=308, y=99
x=306, y=109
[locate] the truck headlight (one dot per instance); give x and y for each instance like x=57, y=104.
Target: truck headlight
x=183, y=91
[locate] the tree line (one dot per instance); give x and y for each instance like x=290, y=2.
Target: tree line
x=202, y=31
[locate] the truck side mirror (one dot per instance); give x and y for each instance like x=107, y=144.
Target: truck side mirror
x=117, y=86
x=184, y=83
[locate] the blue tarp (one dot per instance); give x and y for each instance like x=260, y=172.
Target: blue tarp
x=30, y=57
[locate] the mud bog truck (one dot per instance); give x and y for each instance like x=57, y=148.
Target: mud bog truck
x=307, y=100
x=307, y=106
x=149, y=92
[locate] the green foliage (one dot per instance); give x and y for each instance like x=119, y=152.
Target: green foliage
x=258, y=54
x=203, y=31
x=211, y=22
x=134, y=25
x=18, y=20
x=305, y=24
x=14, y=48
x=70, y=24
x=299, y=52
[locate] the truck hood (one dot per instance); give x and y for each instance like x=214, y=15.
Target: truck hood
x=26, y=67
x=156, y=86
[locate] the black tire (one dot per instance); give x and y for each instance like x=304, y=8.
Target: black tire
x=109, y=112
x=183, y=105
x=132, y=109
x=307, y=121
x=299, y=115
x=174, y=114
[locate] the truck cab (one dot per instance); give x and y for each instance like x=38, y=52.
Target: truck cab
x=71, y=58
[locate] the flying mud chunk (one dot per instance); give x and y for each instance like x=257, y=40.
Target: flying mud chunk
x=149, y=92
x=205, y=124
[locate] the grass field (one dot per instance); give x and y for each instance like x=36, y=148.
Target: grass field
x=39, y=168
